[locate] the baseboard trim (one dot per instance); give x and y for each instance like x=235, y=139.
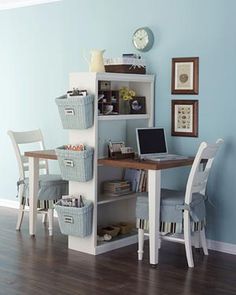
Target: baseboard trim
x=221, y=247
x=212, y=245
x=9, y=204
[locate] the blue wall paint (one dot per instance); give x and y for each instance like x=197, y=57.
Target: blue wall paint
x=41, y=45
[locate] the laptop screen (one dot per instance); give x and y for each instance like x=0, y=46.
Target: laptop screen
x=151, y=141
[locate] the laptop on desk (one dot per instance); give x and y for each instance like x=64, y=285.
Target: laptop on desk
x=151, y=143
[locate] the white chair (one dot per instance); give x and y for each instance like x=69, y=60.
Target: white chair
x=51, y=186
x=182, y=211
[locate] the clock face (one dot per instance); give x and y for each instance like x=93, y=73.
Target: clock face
x=143, y=39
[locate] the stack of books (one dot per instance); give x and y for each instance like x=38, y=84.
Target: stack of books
x=117, y=187
x=138, y=178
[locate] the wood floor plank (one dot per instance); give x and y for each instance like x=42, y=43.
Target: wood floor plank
x=44, y=266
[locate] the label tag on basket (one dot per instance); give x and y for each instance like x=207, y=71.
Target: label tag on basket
x=69, y=112
x=68, y=219
x=69, y=163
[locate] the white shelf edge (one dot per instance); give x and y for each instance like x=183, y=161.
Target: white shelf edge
x=110, y=199
x=123, y=242
x=123, y=117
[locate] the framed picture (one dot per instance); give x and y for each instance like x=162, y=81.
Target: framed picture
x=116, y=146
x=184, y=118
x=185, y=75
x=138, y=105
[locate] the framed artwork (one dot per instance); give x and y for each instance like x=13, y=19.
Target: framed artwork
x=138, y=105
x=184, y=118
x=185, y=75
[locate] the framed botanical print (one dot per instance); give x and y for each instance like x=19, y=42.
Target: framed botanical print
x=185, y=75
x=184, y=118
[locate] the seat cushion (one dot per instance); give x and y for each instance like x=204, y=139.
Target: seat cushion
x=51, y=187
x=171, y=210
x=172, y=206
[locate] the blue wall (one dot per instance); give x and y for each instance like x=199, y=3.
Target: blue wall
x=40, y=45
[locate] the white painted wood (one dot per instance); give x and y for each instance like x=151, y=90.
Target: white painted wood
x=221, y=247
x=154, y=195
x=33, y=193
x=10, y=4
x=140, y=243
x=203, y=241
x=109, y=209
x=106, y=198
x=123, y=117
x=113, y=245
x=50, y=221
x=27, y=138
x=21, y=208
x=187, y=239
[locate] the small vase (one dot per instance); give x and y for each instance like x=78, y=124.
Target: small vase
x=124, y=107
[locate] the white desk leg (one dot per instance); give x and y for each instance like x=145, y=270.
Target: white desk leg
x=154, y=194
x=33, y=193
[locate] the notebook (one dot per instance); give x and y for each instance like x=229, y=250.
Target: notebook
x=151, y=143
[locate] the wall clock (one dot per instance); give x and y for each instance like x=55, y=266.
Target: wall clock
x=143, y=39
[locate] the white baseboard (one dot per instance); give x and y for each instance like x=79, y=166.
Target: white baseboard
x=212, y=245
x=221, y=247
x=15, y=205
x=9, y=203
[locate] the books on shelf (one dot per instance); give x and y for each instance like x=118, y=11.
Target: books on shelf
x=138, y=179
x=117, y=187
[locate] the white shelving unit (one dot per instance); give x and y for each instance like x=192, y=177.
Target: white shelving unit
x=109, y=210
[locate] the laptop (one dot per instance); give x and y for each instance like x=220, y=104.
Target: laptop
x=151, y=143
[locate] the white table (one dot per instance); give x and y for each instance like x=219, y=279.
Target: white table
x=154, y=189
x=154, y=192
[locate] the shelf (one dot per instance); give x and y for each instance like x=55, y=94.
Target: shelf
x=123, y=117
x=106, y=198
x=117, y=242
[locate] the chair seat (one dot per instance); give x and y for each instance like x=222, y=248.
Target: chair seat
x=51, y=188
x=171, y=210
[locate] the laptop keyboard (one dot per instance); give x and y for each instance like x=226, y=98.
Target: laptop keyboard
x=166, y=157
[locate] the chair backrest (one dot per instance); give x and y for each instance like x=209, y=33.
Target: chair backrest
x=25, y=140
x=199, y=173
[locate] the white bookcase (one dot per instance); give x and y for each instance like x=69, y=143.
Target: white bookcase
x=108, y=210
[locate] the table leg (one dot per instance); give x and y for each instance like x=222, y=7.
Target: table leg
x=154, y=194
x=33, y=193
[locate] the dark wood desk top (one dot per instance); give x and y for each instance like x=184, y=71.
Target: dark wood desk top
x=145, y=164
x=121, y=163
x=45, y=154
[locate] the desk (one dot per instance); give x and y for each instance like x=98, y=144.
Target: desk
x=34, y=158
x=154, y=189
x=154, y=192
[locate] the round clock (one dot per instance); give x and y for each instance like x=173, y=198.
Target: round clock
x=143, y=39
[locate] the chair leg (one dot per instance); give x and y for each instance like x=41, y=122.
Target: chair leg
x=21, y=209
x=20, y=217
x=140, y=243
x=203, y=241
x=44, y=218
x=50, y=221
x=187, y=239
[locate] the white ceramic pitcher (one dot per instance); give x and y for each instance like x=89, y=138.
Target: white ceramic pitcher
x=96, y=63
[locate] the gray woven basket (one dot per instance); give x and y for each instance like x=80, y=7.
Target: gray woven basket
x=75, y=221
x=75, y=165
x=76, y=112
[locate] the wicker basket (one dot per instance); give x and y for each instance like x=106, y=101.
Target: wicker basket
x=75, y=165
x=76, y=112
x=75, y=221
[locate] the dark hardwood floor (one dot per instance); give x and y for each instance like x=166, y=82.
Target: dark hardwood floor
x=44, y=265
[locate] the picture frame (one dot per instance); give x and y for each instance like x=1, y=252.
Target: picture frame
x=138, y=105
x=185, y=75
x=184, y=118
x=115, y=146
